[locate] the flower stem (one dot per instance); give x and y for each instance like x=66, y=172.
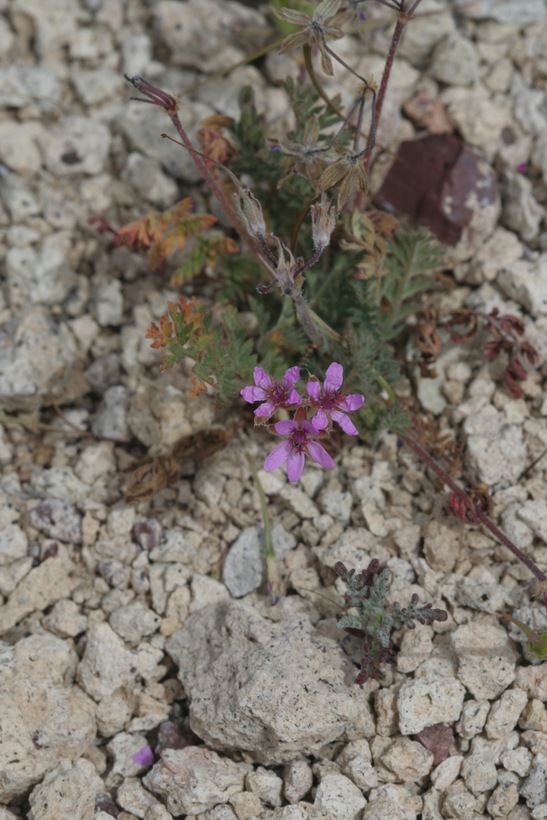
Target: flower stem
x=275, y=586
x=402, y=20
x=428, y=459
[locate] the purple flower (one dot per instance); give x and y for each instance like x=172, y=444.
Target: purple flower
x=144, y=757
x=331, y=403
x=272, y=394
x=300, y=434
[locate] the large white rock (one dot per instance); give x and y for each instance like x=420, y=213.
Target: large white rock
x=276, y=690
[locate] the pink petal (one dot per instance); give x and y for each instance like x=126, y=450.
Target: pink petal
x=252, y=394
x=294, y=398
x=292, y=375
x=347, y=426
x=313, y=389
x=285, y=427
x=144, y=757
x=295, y=465
x=265, y=410
x=353, y=401
x=278, y=456
x=262, y=379
x=320, y=421
x=318, y=454
x=334, y=378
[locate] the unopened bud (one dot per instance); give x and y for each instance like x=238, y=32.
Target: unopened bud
x=323, y=220
x=250, y=211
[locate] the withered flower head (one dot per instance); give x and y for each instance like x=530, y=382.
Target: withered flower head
x=350, y=171
x=323, y=220
x=152, y=94
x=250, y=211
x=316, y=30
x=308, y=154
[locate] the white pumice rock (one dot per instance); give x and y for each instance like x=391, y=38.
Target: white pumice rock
x=194, y=779
x=505, y=712
x=67, y=791
x=339, y=798
x=424, y=703
x=44, y=718
x=215, y=652
x=486, y=659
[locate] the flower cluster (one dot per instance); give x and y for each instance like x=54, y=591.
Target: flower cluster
x=315, y=413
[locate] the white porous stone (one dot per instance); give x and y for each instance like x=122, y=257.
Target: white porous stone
x=54, y=24
x=505, y=712
x=111, y=418
x=479, y=773
x=13, y=544
x=424, y=703
x=534, y=788
x=132, y=797
x=299, y=502
x=68, y=791
x=38, y=360
x=297, y=780
x=533, y=679
x=391, y=802
x=502, y=800
x=336, y=503
x=57, y=519
x=121, y=749
x=526, y=283
x=244, y=567
x=479, y=118
x=276, y=690
x=517, y=760
x=455, y=61
x=134, y=621
x=106, y=665
x=522, y=213
x=446, y=772
x=511, y=12
x=338, y=798
x=148, y=179
x=19, y=200
x=21, y=86
x=193, y=780
x=267, y=786
x=39, y=589
x=65, y=619
x=108, y=301
x=486, y=659
x=43, y=719
x=355, y=761
x=501, y=251
x=196, y=32
x=496, y=448
x=77, y=145
x=419, y=41
x=18, y=146
x=473, y=718
x=408, y=759
x=42, y=278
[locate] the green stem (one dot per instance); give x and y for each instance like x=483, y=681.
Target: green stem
x=275, y=587
x=317, y=85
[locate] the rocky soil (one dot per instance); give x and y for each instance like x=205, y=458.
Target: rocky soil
x=144, y=671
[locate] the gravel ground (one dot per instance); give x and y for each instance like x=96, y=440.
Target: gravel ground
x=146, y=627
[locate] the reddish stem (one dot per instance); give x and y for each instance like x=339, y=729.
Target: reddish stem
x=483, y=518
x=402, y=20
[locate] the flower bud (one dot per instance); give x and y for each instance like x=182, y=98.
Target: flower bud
x=250, y=211
x=323, y=219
